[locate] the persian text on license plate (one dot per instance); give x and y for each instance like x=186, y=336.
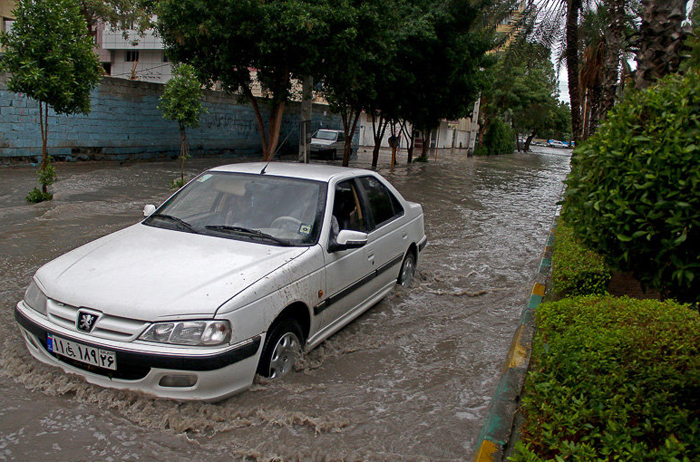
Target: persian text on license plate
x=83, y=353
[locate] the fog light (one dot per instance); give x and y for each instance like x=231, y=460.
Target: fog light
x=178, y=381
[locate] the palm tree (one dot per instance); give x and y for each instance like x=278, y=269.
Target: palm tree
x=661, y=40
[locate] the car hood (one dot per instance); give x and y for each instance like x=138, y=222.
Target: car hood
x=148, y=273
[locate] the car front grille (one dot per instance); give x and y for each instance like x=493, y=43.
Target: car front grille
x=107, y=327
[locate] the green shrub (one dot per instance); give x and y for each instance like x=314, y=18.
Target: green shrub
x=500, y=138
x=613, y=379
x=36, y=195
x=46, y=178
x=633, y=189
x=577, y=270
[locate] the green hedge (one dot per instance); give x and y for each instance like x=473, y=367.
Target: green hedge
x=633, y=192
x=613, y=379
x=499, y=139
x=577, y=270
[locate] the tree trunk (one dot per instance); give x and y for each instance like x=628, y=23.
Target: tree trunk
x=275, y=124
x=660, y=40
x=572, y=66
x=378, y=133
x=270, y=135
x=183, y=153
x=350, y=118
x=44, y=123
x=411, y=146
x=528, y=140
x=612, y=56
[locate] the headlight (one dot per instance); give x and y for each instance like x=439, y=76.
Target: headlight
x=35, y=299
x=203, y=333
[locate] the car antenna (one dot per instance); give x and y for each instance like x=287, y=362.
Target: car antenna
x=262, y=172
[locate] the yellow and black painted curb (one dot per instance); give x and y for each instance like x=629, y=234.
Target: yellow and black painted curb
x=496, y=432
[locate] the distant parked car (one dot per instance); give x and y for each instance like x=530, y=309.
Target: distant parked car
x=236, y=273
x=557, y=144
x=328, y=143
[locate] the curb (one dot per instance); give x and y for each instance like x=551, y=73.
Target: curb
x=496, y=432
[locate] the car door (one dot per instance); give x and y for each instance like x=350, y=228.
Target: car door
x=387, y=234
x=349, y=273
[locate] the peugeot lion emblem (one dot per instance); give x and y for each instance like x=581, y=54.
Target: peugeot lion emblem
x=86, y=321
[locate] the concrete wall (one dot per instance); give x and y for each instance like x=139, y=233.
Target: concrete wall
x=125, y=123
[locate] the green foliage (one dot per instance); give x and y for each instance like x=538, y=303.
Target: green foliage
x=177, y=183
x=234, y=42
x=633, y=189
x=577, y=270
x=558, y=125
x=49, y=54
x=36, y=195
x=181, y=100
x=123, y=14
x=613, y=379
x=46, y=177
x=50, y=58
x=441, y=60
x=522, y=87
x=500, y=138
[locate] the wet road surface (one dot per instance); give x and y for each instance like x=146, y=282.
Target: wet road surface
x=409, y=380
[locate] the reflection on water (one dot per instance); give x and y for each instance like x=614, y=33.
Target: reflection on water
x=409, y=380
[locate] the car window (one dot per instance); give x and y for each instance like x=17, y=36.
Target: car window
x=341, y=136
x=347, y=209
x=383, y=204
x=264, y=208
x=325, y=135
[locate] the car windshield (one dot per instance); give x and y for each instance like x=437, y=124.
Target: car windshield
x=325, y=135
x=260, y=208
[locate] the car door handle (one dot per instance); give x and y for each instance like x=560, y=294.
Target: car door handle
x=370, y=255
x=404, y=234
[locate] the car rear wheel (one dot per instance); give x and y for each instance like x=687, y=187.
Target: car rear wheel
x=282, y=349
x=408, y=270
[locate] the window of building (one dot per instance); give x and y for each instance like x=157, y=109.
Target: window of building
x=132, y=56
x=7, y=25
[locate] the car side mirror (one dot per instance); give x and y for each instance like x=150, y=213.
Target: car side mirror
x=348, y=239
x=148, y=210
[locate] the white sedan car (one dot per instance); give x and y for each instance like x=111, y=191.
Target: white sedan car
x=237, y=273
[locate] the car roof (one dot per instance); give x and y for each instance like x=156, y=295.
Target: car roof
x=315, y=172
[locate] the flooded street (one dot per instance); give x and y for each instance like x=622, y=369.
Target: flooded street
x=410, y=380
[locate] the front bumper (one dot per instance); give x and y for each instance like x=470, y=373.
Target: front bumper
x=216, y=374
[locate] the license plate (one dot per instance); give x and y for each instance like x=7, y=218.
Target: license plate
x=83, y=353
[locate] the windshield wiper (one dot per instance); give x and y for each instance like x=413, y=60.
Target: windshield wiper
x=248, y=231
x=177, y=220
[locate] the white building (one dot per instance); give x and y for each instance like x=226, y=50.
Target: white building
x=129, y=55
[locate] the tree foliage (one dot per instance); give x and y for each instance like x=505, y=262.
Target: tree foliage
x=523, y=90
x=236, y=43
x=50, y=58
x=633, y=189
x=181, y=102
x=121, y=14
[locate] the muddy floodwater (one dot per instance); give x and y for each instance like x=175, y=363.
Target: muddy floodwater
x=410, y=380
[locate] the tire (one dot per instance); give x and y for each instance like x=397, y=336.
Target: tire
x=408, y=270
x=282, y=348
x=334, y=154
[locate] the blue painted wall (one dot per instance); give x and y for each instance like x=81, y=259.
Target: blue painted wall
x=125, y=123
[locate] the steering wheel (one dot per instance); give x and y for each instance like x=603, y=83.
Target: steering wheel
x=287, y=223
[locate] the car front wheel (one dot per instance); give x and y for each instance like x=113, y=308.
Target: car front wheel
x=282, y=348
